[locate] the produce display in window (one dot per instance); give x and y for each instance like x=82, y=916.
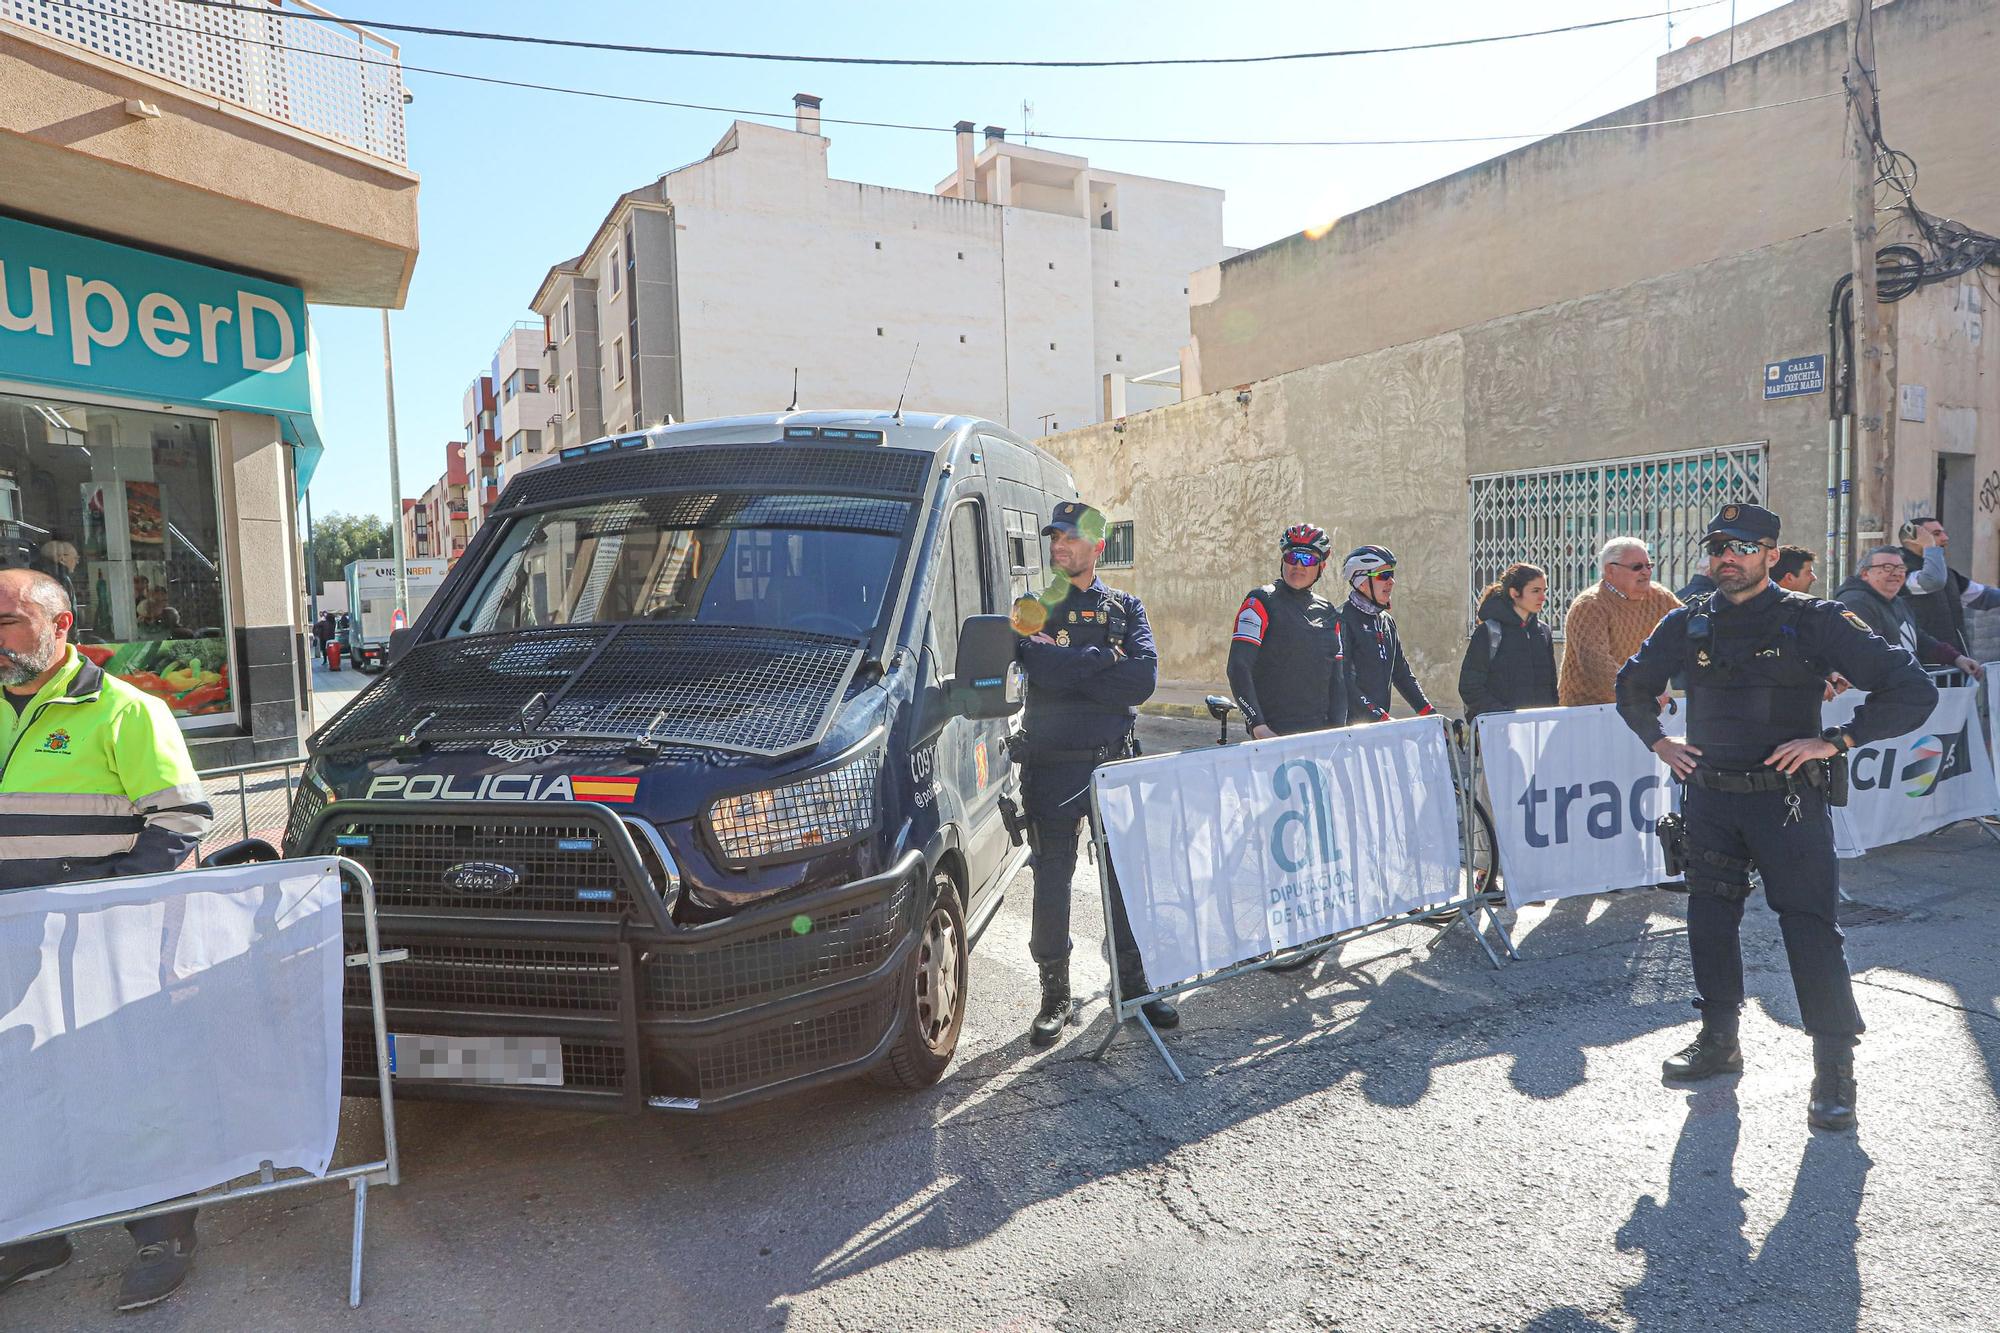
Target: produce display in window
x=190, y=675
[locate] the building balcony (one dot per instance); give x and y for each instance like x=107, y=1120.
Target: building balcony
x=269, y=141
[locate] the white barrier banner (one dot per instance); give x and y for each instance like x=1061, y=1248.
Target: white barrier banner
x=1574, y=798
x=163, y=1034
x=1908, y=785
x=1992, y=683
x=1228, y=853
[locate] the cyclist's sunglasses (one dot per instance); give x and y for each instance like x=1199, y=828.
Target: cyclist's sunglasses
x=1298, y=556
x=1732, y=545
x=1383, y=575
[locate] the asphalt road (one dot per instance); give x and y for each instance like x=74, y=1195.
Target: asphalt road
x=1403, y=1138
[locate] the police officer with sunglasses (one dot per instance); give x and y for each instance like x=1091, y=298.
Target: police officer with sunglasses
x=1760, y=777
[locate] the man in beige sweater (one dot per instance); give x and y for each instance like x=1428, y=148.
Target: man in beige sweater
x=1607, y=623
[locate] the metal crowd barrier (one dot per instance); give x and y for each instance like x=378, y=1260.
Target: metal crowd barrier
x=387, y=1170
x=251, y=801
x=1474, y=903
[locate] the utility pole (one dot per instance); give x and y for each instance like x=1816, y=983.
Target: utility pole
x=1870, y=466
x=396, y=477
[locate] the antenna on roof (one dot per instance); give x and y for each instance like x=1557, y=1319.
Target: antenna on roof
x=906, y=383
x=795, y=390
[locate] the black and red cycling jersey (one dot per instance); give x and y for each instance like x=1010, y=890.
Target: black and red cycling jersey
x=1287, y=660
x=1375, y=662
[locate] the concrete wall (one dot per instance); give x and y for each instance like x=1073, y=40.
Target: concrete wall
x=1752, y=37
x=1587, y=213
x=1379, y=447
x=266, y=570
x=203, y=179
x=1372, y=448
x=1944, y=349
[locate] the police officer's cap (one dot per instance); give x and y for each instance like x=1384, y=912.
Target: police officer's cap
x=1076, y=519
x=1751, y=523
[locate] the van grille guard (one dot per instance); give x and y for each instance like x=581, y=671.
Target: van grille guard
x=574, y=867
x=722, y=687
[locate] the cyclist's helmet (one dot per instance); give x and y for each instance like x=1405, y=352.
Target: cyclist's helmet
x=1303, y=544
x=1365, y=560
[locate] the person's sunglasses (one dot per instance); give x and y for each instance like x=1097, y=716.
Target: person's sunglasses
x=1898, y=568
x=1731, y=545
x=1382, y=575
x=1642, y=567
x=1306, y=558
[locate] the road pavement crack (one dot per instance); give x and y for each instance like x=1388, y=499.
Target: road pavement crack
x=1928, y=999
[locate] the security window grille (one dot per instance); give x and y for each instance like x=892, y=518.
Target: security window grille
x=1559, y=517
x=1118, y=545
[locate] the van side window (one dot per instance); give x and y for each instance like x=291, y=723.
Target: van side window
x=961, y=588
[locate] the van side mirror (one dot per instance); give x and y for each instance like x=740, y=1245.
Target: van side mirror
x=399, y=643
x=986, y=680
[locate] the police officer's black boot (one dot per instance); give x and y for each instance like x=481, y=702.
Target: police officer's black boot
x=1832, y=1105
x=1132, y=981
x=1057, y=1008
x=1714, y=1050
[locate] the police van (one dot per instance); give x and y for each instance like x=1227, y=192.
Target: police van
x=690, y=786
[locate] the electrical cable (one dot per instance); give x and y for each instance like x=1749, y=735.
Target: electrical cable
x=633, y=48
x=638, y=99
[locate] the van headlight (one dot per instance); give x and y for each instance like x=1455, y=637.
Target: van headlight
x=823, y=810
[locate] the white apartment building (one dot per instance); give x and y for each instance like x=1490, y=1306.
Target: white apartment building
x=1027, y=289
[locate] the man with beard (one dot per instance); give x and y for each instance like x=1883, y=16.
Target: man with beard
x=1755, y=762
x=96, y=782
x=1089, y=658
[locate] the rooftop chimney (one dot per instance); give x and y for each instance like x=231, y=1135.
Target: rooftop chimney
x=994, y=134
x=968, y=184
x=807, y=107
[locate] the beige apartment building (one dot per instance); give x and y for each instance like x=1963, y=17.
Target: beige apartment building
x=1597, y=334
x=1031, y=287
x=175, y=185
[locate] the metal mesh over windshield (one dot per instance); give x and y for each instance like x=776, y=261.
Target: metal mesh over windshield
x=716, y=685
x=762, y=468
x=748, y=690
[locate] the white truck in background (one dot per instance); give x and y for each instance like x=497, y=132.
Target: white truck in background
x=371, y=601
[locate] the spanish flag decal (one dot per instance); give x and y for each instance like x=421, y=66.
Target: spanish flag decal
x=611, y=791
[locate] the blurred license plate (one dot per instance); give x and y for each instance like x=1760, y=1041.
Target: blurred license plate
x=534, y=1061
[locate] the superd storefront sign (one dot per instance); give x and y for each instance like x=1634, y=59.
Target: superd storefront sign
x=83, y=314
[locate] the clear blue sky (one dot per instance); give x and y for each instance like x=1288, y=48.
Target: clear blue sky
x=514, y=180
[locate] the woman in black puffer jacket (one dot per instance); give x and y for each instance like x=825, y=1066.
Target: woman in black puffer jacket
x=1511, y=661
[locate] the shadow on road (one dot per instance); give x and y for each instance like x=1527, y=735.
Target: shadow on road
x=1699, y=1270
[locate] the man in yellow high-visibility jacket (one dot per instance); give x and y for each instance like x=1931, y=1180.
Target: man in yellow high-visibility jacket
x=95, y=782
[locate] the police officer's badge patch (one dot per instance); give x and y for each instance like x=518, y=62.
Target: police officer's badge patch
x=1856, y=621
x=1701, y=657
x=1729, y=513
x=1062, y=639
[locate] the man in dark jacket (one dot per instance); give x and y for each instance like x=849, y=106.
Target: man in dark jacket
x=1374, y=652
x=1872, y=593
x=1287, y=662
x=1511, y=661
x=1938, y=595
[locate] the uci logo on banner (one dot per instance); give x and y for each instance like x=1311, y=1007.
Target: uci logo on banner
x=1931, y=760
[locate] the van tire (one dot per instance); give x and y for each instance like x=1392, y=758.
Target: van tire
x=927, y=1035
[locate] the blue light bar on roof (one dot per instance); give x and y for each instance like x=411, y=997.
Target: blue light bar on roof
x=834, y=433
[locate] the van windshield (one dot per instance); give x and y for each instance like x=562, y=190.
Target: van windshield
x=815, y=564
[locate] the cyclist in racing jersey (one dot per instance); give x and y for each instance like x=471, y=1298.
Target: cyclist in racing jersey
x=1287, y=662
x=1375, y=658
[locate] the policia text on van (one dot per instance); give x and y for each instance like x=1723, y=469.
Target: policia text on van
x=687, y=787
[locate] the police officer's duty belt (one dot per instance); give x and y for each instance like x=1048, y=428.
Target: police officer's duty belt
x=1812, y=772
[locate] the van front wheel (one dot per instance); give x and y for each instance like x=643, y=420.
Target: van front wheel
x=934, y=993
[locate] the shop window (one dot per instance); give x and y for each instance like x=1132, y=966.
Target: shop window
x=120, y=506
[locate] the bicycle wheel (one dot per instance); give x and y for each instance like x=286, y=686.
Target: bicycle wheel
x=1485, y=852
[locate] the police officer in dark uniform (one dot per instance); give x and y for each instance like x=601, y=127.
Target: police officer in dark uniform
x=1759, y=774
x=1089, y=659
